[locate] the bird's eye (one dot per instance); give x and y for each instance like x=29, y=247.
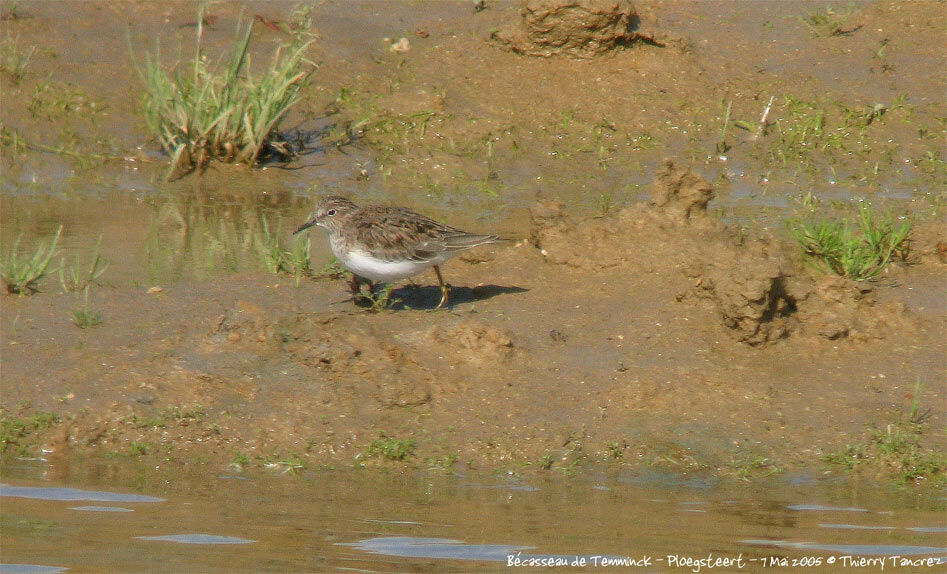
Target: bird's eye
x=331, y=212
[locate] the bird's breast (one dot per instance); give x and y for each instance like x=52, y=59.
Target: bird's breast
x=364, y=265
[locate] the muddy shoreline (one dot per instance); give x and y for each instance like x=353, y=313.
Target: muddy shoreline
x=650, y=316
x=250, y=370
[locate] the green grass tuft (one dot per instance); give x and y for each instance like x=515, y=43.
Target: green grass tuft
x=859, y=250
x=75, y=279
x=829, y=22
x=21, y=272
x=199, y=112
x=897, y=450
x=13, y=60
x=82, y=314
x=85, y=318
x=277, y=259
x=14, y=429
x=390, y=448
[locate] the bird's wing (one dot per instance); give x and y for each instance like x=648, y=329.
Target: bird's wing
x=396, y=232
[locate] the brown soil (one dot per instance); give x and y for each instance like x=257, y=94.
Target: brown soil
x=581, y=29
x=578, y=343
x=653, y=334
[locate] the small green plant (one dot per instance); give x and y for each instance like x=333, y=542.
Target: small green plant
x=152, y=422
x=755, y=466
x=849, y=457
x=442, y=463
x=199, y=113
x=615, y=449
x=295, y=260
x=828, y=22
x=82, y=314
x=604, y=203
x=571, y=469
x=333, y=269
x=239, y=461
x=376, y=298
x=20, y=273
x=188, y=413
x=13, y=60
x=13, y=429
x=137, y=448
x=52, y=101
x=390, y=448
x=289, y=464
x=277, y=259
x=75, y=278
x=896, y=449
x=545, y=462
x=800, y=132
x=70, y=146
x=84, y=318
x=859, y=251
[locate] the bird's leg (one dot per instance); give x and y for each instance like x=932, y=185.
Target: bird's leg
x=445, y=288
x=355, y=284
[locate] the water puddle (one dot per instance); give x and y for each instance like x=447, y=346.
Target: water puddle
x=30, y=569
x=855, y=527
x=56, y=493
x=198, y=539
x=443, y=548
x=101, y=509
x=821, y=508
x=858, y=549
x=323, y=521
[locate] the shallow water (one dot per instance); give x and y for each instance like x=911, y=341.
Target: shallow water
x=373, y=521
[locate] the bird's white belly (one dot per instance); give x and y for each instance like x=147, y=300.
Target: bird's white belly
x=368, y=267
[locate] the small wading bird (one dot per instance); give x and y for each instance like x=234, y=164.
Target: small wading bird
x=385, y=244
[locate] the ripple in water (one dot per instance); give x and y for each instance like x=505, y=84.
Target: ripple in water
x=30, y=569
x=412, y=547
x=198, y=539
x=55, y=493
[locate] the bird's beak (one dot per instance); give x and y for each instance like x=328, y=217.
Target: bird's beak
x=305, y=226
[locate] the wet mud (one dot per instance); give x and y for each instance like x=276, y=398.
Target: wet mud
x=644, y=316
x=569, y=345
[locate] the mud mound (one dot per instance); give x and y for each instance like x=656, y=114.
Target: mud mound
x=751, y=286
x=246, y=323
x=681, y=194
x=836, y=307
x=650, y=237
x=472, y=342
x=347, y=361
x=748, y=293
x=929, y=242
x=575, y=28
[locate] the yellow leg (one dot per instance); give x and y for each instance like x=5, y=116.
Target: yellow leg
x=445, y=288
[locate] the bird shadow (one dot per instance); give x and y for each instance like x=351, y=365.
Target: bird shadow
x=427, y=298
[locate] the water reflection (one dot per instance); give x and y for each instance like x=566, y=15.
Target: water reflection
x=56, y=493
x=321, y=521
x=30, y=569
x=210, y=229
x=411, y=547
x=199, y=236
x=856, y=549
x=198, y=539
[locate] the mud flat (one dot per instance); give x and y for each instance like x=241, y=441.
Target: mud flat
x=651, y=314
x=653, y=336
